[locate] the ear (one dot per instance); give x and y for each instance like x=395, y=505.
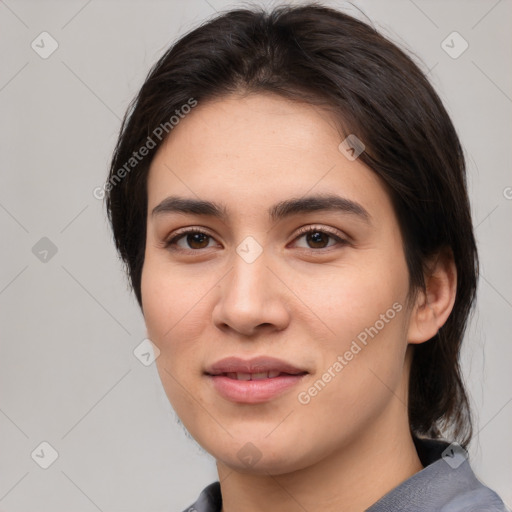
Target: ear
x=432, y=309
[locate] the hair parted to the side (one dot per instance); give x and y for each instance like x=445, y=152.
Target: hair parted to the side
x=319, y=55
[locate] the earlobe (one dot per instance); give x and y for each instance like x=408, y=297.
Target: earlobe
x=434, y=304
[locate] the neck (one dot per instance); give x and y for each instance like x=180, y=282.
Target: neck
x=350, y=479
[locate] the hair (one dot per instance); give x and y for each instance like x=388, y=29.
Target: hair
x=315, y=54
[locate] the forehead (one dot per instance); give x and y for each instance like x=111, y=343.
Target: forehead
x=256, y=150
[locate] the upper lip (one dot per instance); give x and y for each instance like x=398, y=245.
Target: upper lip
x=254, y=365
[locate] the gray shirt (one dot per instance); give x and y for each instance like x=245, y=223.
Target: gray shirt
x=445, y=484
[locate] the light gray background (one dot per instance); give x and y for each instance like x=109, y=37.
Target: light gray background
x=68, y=375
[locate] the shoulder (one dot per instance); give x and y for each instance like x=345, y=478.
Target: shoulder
x=446, y=484
x=476, y=500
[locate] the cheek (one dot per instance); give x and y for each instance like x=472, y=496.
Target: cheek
x=351, y=298
x=167, y=311
x=171, y=299
x=362, y=310
x=360, y=373
x=175, y=313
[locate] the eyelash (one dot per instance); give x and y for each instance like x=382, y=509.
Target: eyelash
x=302, y=231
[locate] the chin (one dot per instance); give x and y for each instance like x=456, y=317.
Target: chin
x=266, y=465
x=261, y=455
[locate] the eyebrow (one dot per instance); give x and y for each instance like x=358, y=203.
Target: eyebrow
x=281, y=210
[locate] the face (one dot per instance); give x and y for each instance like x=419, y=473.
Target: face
x=306, y=298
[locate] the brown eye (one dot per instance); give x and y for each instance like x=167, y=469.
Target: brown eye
x=317, y=238
x=193, y=239
x=197, y=240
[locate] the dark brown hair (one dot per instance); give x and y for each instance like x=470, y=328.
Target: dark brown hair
x=322, y=56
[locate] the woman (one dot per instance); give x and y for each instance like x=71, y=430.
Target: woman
x=289, y=196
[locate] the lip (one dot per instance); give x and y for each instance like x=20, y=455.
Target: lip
x=253, y=391
x=253, y=365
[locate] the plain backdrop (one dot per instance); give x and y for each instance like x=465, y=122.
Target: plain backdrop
x=68, y=374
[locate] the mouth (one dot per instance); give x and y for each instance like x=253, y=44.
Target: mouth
x=253, y=381
x=256, y=376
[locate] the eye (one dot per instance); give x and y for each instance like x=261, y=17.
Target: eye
x=317, y=237
x=194, y=238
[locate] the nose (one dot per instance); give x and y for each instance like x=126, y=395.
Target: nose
x=252, y=298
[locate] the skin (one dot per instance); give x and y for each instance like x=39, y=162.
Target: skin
x=300, y=301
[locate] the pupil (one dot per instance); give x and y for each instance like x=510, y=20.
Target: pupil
x=196, y=238
x=316, y=237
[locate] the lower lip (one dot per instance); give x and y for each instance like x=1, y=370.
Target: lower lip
x=253, y=391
